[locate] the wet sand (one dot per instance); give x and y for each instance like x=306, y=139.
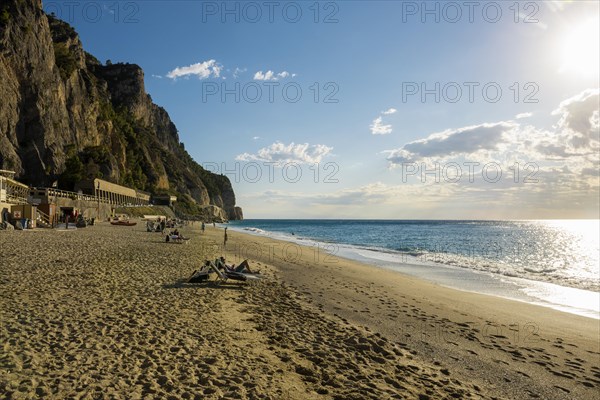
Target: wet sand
x=104, y=312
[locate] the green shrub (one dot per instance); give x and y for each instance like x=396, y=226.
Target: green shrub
x=97, y=154
x=4, y=16
x=73, y=173
x=65, y=60
x=61, y=31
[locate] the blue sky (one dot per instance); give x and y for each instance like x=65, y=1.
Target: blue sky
x=368, y=130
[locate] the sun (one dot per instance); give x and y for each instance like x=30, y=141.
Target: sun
x=580, y=49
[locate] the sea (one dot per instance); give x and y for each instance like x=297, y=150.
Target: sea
x=553, y=263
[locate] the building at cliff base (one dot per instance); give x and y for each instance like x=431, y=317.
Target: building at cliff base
x=12, y=195
x=112, y=193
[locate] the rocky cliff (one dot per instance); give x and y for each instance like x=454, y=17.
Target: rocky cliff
x=64, y=116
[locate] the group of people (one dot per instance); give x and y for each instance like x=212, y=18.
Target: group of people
x=161, y=224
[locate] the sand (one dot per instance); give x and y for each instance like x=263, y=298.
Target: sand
x=104, y=312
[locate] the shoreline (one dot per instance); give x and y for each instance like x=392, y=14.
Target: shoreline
x=107, y=311
x=534, y=292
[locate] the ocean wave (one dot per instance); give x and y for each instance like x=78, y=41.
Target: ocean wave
x=415, y=253
x=540, y=271
x=255, y=230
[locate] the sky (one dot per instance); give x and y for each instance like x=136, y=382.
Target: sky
x=373, y=109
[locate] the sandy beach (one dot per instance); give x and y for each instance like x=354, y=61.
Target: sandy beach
x=104, y=312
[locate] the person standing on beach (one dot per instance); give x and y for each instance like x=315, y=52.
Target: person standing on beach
x=225, y=237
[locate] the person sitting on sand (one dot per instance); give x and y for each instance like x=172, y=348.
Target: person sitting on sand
x=175, y=235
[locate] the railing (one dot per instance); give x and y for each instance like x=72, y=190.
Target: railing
x=14, y=199
x=54, y=193
x=12, y=191
x=45, y=218
x=50, y=192
x=7, y=174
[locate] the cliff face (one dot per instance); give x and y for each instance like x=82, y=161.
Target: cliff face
x=64, y=116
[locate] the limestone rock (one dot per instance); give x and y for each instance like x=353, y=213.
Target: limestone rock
x=66, y=116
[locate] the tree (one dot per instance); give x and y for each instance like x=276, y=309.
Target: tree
x=74, y=172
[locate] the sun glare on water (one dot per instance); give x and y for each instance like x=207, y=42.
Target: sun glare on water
x=589, y=228
x=580, y=49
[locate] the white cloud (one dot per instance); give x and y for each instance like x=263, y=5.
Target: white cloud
x=372, y=193
x=523, y=115
x=378, y=128
x=558, y=173
x=452, y=142
x=576, y=136
x=238, y=71
x=553, y=195
x=271, y=76
x=280, y=153
x=563, y=162
x=267, y=76
x=579, y=115
x=255, y=137
x=202, y=70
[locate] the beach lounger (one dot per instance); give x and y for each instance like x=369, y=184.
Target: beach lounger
x=239, y=269
x=176, y=239
x=199, y=276
x=223, y=276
